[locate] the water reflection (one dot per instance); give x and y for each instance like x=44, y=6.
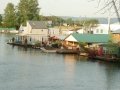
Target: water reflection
x=112, y=71
x=70, y=61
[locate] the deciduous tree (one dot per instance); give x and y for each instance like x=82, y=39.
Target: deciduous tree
x=9, y=19
x=28, y=10
x=0, y=19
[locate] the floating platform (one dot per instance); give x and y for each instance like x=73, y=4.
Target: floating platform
x=67, y=51
x=22, y=45
x=48, y=50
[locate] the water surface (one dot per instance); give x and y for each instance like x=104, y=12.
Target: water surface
x=30, y=69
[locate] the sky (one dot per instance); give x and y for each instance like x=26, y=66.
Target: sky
x=76, y=8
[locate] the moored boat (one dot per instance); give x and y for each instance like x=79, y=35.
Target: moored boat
x=109, y=59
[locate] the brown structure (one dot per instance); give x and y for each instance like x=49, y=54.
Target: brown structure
x=116, y=36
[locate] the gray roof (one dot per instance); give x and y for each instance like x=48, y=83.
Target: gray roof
x=38, y=24
x=116, y=32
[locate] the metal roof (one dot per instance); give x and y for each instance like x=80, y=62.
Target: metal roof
x=38, y=24
x=116, y=32
x=91, y=38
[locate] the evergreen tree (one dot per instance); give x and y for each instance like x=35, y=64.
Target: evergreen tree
x=9, y=19
x=28, y=10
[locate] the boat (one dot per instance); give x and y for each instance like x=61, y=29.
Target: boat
x=48, y=50
x=67, y=51
x=108, y=59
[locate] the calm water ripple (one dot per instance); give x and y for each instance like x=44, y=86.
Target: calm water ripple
x=30, y=69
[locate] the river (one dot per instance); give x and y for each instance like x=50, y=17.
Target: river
x=30, y=69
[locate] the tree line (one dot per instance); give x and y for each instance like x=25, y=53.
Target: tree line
x=26, y=10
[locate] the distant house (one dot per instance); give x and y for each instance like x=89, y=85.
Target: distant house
x=100, y=29
x=90, y=39
x=116, y=36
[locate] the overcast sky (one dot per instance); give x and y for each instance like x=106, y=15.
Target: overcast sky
x=83, y=8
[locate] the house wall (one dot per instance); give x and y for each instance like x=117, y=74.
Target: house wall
x=101, y=29
x=80, y=31
x=71, y=38
x=43, y=32
x=54, y=31
x=23, y=30
x=116, y=38
x=38, y=37
x=29, y=28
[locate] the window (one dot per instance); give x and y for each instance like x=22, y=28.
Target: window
x=91, y=32
x=97, y=31
x=101, y=31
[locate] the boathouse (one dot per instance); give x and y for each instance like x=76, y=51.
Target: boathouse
x=90, y=39
x=116, y=36
x=34, y=31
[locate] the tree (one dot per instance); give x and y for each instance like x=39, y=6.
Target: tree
x=69, y=21
x=109, y=5
x=9, y=19
x=56, y=21
x=89, y=24
x=33, y=10
x=28, y=10
x=0, y=19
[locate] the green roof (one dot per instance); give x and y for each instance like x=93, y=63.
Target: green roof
x=91, y=38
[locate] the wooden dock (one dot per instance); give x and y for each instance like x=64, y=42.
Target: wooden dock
x=67, y=51
x=21, y=45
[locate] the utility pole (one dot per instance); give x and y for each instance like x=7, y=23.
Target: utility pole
x=116, y=11
x=109, y=20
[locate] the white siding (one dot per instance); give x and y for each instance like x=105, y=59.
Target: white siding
x=101, y=29
x=40, y=31
x=29, y=28
x=54, y=31
x=71, y=38
x=37, y=37
x=80, y=31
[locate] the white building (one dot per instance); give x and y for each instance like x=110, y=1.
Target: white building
x=100, y=29
x=34, y=31
x=38, y=30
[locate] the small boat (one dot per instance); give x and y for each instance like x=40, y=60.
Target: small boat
x=108, y=59
x=84, y=54
x=67, y=51
x=48, y=50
